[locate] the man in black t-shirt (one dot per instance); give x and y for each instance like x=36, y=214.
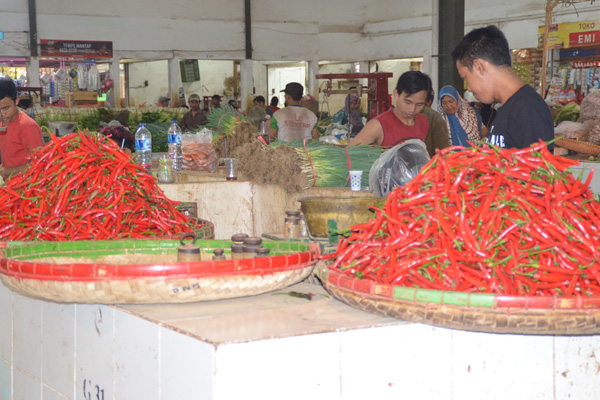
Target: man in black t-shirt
x=483, y=60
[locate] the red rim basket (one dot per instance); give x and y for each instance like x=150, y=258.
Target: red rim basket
x=147, y=271
x=529, y=315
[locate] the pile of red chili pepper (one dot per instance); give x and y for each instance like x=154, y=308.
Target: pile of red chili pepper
x=486, y=220
x=83, y=187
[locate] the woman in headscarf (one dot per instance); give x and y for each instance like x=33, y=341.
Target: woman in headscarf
x=350, y=115
x=464, y=124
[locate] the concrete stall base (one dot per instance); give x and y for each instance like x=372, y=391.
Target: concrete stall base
x=274, y=346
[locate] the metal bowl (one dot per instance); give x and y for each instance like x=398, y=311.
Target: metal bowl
x=320, y=212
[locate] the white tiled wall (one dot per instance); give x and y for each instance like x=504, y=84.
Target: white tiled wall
x=95, y=352
x=396, y=362
x=136, y=358
x=27, y=335
x=302, y=367
x=186, y=367
x=5, y=380
x=85, y=352
x=6, y=309
x=58, y=347
x=94, y=347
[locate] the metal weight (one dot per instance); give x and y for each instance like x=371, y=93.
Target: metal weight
x=188, y=252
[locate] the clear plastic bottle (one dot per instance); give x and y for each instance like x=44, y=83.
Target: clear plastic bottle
x=175, y=145
x=143, y=147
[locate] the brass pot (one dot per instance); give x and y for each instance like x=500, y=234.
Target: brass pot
x=345, y=212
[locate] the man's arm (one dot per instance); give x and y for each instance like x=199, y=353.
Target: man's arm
x=315, y=134
x=6, y=172
x=372, y=133
x=273, y=129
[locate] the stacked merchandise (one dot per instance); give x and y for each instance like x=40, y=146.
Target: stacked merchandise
x=528, y=63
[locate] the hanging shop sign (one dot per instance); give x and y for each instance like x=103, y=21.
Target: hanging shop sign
x=75, y=48
x=570, y=35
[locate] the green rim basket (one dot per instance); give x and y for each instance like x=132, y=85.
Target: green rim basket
x=478, y=312
x=147, y=271
x=204, y=229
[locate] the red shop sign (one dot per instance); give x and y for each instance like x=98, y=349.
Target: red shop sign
x=579, y=39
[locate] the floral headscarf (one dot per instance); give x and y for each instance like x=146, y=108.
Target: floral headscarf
x=467, y=118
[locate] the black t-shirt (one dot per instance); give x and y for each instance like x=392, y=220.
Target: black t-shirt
x=523, y=120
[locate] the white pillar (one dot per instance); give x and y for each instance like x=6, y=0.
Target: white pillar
x=114, y=73
x=33, y=71
x=431, y=64
x=246, y=83
x=313, y=84
x=32, y=68
x=174, y=81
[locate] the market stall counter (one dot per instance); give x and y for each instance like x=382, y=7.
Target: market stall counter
x=278, y=344
x=243, y=206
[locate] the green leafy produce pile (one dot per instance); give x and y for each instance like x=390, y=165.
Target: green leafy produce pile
x=569, y=112
x=160, y=139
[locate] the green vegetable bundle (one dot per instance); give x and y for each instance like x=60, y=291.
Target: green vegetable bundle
x=329, y=165
x=569, y=112
x=160, y=136
x=224, y=120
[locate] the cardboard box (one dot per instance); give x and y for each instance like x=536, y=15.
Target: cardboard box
x=81, y=98
x=312, y=106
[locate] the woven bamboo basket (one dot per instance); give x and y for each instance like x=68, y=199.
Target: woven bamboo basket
x=528, y=315
x=578, y=146
x=147, y=271
x=204, y=229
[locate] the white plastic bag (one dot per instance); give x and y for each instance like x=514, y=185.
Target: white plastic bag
x=397, y=166
x=570, y=130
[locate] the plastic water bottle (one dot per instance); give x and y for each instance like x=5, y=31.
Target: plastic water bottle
x=175, y=145
x=143, y=147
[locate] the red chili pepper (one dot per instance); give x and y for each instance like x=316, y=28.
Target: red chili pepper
x=510, y=211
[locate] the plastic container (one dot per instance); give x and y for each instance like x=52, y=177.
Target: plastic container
x=165, y=170
x=355, y=180
x=302, y=226
x=231, y=165
x=292, y=228
x=174, y=138
x=143, y=147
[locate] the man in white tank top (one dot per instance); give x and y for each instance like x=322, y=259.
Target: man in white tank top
x=294, y=121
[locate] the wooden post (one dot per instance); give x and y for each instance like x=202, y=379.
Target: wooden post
x=550, y=6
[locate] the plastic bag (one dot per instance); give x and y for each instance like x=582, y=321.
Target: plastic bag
x=197, y=152
x=397, y=166
x=330, y=139
x=570, y=130
x=590, y=106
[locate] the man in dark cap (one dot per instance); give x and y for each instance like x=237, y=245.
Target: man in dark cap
x=215, y=102
x=194, y=118
x=294, y=121
x=164, y=101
